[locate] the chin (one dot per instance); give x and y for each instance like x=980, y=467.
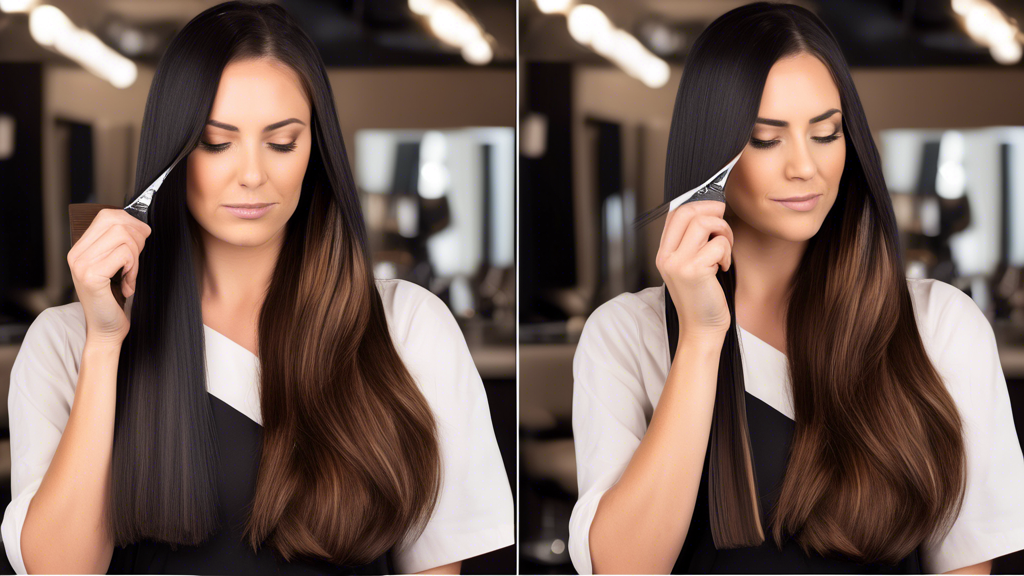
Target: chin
x=255, y=235
x=798, y=233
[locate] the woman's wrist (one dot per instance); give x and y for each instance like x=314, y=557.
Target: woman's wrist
x=710, y=342
x=101, y=348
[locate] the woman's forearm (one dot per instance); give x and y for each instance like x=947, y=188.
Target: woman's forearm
x=65, y=528
x=641, y=522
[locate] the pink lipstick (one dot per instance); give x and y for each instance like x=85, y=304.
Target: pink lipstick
x=249, y=211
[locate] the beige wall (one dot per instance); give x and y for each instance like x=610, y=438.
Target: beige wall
x=415, y=98
x=892, y=98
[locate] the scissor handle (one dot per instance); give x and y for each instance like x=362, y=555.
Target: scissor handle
x=81, y=216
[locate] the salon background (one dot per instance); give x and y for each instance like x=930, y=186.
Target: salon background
x=430, y=129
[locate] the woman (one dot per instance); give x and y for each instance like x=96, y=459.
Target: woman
x=789, y=401
x=274, y=408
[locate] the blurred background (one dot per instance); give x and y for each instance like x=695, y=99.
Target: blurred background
x=942, y=85
x=425, y=93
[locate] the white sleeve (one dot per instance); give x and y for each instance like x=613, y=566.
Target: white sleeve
x=609, y=414
x=43, y=380
x=991, y=520
x=474, y=512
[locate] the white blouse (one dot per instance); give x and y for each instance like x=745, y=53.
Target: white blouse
x=622, y=362
x=474, y=513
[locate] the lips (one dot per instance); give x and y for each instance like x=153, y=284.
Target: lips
x=798, y=198
x=250, y=206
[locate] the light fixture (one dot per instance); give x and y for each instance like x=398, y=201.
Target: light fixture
x=589, y=26
x=990, y=27
x=50, y=27
x=454, y=26
x=12, y=6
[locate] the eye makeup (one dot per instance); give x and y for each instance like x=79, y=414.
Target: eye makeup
x=763, y=144
x=221, y=147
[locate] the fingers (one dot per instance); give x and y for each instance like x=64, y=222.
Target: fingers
x=717, y=252
x=115, y=243
x=96, y=240
x=122, y=256
x=109, y=241
x=678, y=221
x=105, y=219
x=702, y=229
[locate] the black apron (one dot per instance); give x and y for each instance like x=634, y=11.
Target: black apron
x=239, y=441
x=771, y=433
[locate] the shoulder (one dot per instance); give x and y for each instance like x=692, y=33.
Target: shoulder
x=402, y=297
x=643, y=309
x=961, y=344
x=948, y=319
x=624, y=340
x=425, y=333
x=628, y=320
x=56, y=329
x=412, y=310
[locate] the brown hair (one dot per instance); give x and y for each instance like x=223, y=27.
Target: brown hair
x=877, y=464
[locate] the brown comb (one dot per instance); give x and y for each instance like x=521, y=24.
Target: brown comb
x=81, y=216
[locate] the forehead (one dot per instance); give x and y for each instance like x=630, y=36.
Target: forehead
x=259, y=92
x=798, y=88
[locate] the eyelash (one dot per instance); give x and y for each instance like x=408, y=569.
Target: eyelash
x=222, y=147
x=762, y=144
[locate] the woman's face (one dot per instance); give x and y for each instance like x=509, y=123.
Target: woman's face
x=803, y=157
x=260, y=137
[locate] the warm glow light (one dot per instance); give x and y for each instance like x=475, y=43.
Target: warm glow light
x=587, y=22
x=988, y=26
x=589, y=26
x=12, y=6
x=454, y=26
x=478, y=52
x=553, y=6
x=1007, y=53
x=655, y=73
x=51, y=27
x=46, y=23
x=422, y=7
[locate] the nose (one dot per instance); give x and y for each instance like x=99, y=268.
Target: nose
x=799, y=162
x=251, y=172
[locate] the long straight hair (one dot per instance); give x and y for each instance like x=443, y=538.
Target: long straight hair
x=350, y=462
x=877, y=464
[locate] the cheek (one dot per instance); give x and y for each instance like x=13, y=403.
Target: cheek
x=835, y=162
x=206, y=175
x=750, y=182
x=288, y=174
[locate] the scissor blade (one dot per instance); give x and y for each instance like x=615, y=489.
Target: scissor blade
x=139, y=208
x=712, y=189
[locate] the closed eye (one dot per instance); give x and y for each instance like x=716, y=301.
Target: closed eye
x=221, y=147
x=762, y=144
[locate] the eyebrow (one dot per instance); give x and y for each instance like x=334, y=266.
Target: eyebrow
x=269, y=128
x=783, y=123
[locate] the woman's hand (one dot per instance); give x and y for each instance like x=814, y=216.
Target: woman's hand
x=688, y=262
x=113, y=241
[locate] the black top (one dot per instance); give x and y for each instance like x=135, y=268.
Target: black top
x=771, y=433
x=239, y=441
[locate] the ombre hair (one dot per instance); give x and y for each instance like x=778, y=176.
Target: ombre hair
x=877, y=464
x=350, y=461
